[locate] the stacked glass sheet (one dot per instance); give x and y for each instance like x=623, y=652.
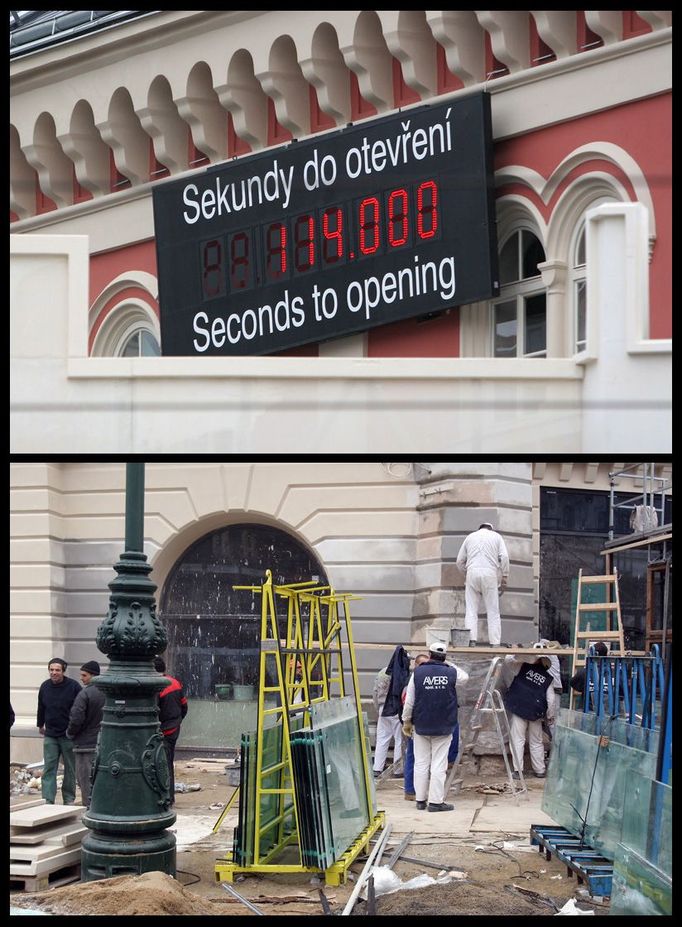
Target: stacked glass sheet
x=330, y=782
x=585, y=791
x=276, y=810
x=642, y=869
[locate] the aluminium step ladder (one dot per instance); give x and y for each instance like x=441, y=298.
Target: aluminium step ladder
x=489, y=702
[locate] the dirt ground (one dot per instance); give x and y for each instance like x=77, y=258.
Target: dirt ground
x=498, y=882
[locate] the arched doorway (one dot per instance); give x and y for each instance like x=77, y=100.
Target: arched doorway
x=214, y=630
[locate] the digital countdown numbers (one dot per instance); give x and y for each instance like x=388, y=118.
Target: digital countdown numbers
x=383, y=221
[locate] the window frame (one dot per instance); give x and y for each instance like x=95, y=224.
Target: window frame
x=520, y=291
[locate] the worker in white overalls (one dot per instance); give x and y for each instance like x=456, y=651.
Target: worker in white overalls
x=484, y=560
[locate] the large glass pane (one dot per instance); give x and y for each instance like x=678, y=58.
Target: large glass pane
x=509, y=260
x=505, y=323
x=585, y=791
x=535, y=339
x=642, y=873
x=532, y=254
x=337, y=723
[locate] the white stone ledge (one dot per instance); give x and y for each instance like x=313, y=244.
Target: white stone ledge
x=323, y=368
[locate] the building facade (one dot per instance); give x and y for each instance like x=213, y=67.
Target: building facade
x=574, y=343
x=386, y=532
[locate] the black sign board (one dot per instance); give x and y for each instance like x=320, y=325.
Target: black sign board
x=386, y=220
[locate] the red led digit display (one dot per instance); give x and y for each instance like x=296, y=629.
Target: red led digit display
x=369, y=214
x=276, y=265
x=240, y=261
x=304, y=244
x=398, y=218
x=313, y=241
x=427, y=209
x=212, y=270
x=333, y=231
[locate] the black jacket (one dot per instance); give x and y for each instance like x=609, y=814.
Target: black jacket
x=54, y=705
x=526, y=697
x=172, y=706
x=85, y=719
x=399, y=671
x=435, y=699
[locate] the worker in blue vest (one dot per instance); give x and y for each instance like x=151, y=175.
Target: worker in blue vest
x=429, y=716
x=528, y=700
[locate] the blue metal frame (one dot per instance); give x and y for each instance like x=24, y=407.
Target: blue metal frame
x=630, y=687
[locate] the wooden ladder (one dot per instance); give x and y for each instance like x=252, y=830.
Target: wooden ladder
x=611, y=608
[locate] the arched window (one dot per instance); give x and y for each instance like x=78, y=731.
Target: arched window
x=519, y=316
x=140, y=343
x=578, y=291
x=130, y=329
x=213, y=629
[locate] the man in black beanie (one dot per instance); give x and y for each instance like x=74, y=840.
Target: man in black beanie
x=55, y=698
x=85, y=721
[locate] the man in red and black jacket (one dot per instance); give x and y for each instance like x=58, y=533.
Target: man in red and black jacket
x=172, y=709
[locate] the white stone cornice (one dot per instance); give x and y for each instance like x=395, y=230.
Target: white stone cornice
x=607, y=24
x=410, y=40
x=46, y=157
x=462, y=37
x=558, y=30
x=509, y=36
x=370, y=60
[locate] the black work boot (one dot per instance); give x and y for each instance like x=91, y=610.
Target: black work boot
x=421, y=806
x=441, y=807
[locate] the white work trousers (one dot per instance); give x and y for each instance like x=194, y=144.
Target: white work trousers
x=518, y=727
x=430, y=767
x=388, y=729
x=481, y=586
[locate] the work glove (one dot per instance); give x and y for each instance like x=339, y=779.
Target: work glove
x=407, y=728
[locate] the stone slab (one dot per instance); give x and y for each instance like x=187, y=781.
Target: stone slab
x=40, y=867
x=405, y=817
x=64, y=835
x=510, y=815
x=43, y=814
x=21, y=852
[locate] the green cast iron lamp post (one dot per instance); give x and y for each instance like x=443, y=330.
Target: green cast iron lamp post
x=130, y=804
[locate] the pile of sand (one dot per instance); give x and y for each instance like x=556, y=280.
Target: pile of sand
x=150, y=893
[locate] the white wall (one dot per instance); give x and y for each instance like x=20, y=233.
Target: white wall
x=63, y=401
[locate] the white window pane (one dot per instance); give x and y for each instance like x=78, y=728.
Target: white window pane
x=150, y=346
x=132, y=346
x=532, y=254
x=535, y=338
x=580, y=251
x=581, y=315
x=509, y=260
x=506, y=327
